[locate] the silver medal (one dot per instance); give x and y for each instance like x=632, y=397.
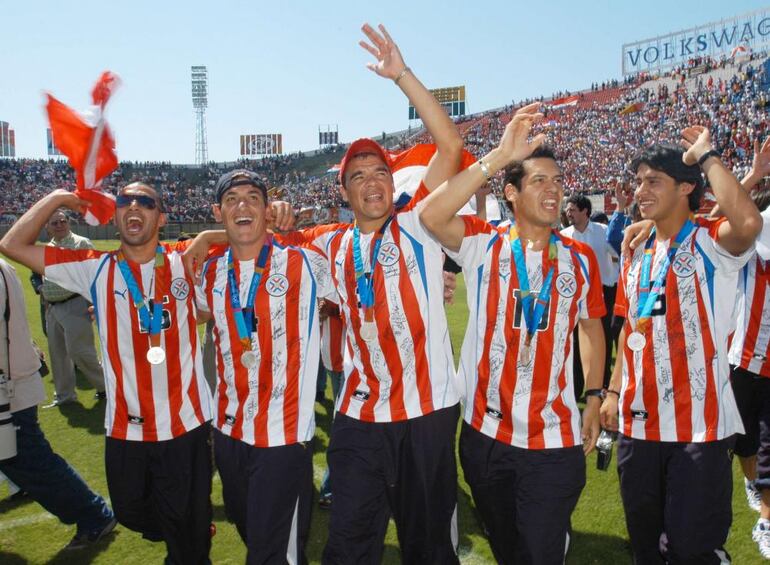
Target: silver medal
x=156, y=355
x=248, y=359
x=369, y=331
x=636, y=341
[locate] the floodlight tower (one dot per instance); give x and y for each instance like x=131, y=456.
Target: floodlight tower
x=200, y=99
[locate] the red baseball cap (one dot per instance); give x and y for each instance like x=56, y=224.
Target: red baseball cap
x=363, y=145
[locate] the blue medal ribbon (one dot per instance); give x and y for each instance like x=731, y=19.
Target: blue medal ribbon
x=365, y=280
x=649, y=296
x=532, y=314
x=150, y=321
x=239, y=313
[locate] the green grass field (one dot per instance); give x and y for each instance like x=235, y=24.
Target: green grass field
x=29, y=535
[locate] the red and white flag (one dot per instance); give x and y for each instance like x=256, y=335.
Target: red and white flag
x=564, y=102
x=87, y=142
x=408, y=168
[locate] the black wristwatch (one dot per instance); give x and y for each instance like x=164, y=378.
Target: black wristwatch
x=707, y=154
x=594, y=392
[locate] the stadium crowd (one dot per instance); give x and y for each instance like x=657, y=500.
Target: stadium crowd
x=597, y=140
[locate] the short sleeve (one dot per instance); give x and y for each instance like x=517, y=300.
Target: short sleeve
x=319, y=265
x=708, y=238
x=73, y=269
x=593, y=306
x=621, y=298
x=763, y=241
x=208, y=276
x=477, y=238
x=317, y=237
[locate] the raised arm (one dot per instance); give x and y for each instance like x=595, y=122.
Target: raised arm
x=760, y=165
x=617, y=221
x=390, y=64
x=743, y=223
x=440, y=208
x=19, y=242
x=760, y=168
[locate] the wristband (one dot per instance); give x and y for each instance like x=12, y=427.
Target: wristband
x=597, y=392
x=707, y=155
x=402, y=74
x=484, y=169
x=615, y=392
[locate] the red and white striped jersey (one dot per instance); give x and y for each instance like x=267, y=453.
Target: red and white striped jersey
x=333, y=342
x=144, y=402
x=526, y=405
x=750, y=347
x=271, y=404
x=678, y=388
x=408, y=371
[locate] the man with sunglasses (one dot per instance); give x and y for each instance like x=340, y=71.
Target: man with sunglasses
x=68, y=323
x=158, y=409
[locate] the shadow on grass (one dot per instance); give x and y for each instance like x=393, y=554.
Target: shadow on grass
x=219, y=513
x=89, y=419
x=588, y=548
x=8, y=558
x=85, y=555
x=12, y=502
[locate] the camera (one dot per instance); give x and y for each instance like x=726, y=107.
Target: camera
x=7, y=429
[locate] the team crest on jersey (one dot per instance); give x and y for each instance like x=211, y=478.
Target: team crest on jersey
x=389, y=254
x=566, y=285
x=683, y=264
x=277, y=285
x=180, y=288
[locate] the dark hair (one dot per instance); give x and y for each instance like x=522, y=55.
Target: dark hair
x=600, y=218
x=762, y=199
x=667, y=158
x=582, y=202
x=514, y=172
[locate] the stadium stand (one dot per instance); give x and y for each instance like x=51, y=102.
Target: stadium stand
x=595, y=140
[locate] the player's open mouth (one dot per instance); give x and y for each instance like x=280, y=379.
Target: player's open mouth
x=243, y=220
x=373, y=197
x=134, y=224
x=550, y=204
x=646, y=203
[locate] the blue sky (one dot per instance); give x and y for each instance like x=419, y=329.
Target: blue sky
x=286, y=67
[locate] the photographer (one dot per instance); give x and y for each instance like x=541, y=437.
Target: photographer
x=35, y=468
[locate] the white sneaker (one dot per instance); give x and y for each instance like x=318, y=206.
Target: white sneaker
x=761, y=534
x=753, y=496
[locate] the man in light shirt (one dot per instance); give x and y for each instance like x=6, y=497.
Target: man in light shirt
x=70, y=331
x=594, y=234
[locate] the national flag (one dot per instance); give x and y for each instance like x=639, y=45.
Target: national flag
x=409, y=166
x=88, y=143
x=631, y=108
x=738, y=50
x=564, y=102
